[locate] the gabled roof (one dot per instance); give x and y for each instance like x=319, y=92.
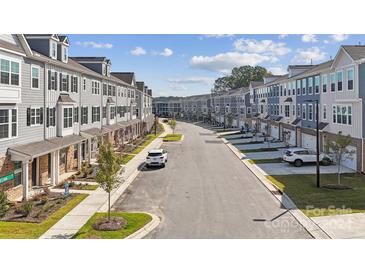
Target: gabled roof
x=288, y=100
x=140, y=86
x=315, y=69
x=296, y=121
x=89, y=59
x=127, y=77
x=64, y=39
x=254, y=84
x=356, y=52
x=65, y=98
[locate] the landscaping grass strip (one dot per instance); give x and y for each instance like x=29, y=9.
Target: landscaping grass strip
x=172, y=137
x=19, y=230
x=135, y=222
x=127, y=158
x=249, y=143
x=265, y=161
x=315, y=201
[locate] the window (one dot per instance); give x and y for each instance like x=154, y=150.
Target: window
x=112, y=112
x=62, y=156
x=324, y=112
x=105, y=89
x=109, y=90
x=304, y=112
x=9, y=72
x=52, y=80
x=299, y=111
x=333, y=80
x=350, y=79
x=310, y=85
x=34, y=116
x=95, y=114
x=84, y=84
x=64, y=54
x=8, y=123
x=316, y=84
x=304, y=86
x=76, y=114
x=339, y=80
x=95, y=87
x=53, y=50
x=84, y=115
x=287, y=111
x=113, y=91
x=35, y=77
x=51, y=117
x=310, y=112
x=342, y=114
x=298, y=87
x=293, y=110
x=67, y=117
x=74, y=83
x=64, y=80
x=324, y=83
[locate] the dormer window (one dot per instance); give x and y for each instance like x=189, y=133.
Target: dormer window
x=108, y=70
x=64, y=54
x=53, y=50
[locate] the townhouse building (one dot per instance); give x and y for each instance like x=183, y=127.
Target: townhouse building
x=55, y=110
x=167, y=106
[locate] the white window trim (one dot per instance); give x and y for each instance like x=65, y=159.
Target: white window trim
x=310, y=119
x=10, y=108
x=31, y=77
x=92, y=115
x=335, y=82
x=64, y=49
x=63, y=118
x=324, y=107
x=353, y=79
x=51, y=42
x=304, y=110
x=19, y=61
x=341, y=106
x=338, y=71
x=35, y=124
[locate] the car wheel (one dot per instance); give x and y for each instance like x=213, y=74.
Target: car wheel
x=163, y=165
x=298, y=163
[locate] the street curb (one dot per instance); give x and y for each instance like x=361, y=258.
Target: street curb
x=313, y=229
x=144, y=231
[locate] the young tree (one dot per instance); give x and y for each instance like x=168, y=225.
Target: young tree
x=230, y=120
x=172, y=124
x=109, y=170
x=339, y=151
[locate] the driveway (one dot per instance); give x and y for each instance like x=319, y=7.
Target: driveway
x=288, y=169
x=266, y=155
x=206, y=192
x=257, y=146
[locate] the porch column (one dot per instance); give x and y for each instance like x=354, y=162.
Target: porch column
x=89, y=149
x=53, y=168
x=79, y=156
x=57, y=167
x=25, y=179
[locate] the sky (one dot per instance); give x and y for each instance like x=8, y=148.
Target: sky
x=183, y=65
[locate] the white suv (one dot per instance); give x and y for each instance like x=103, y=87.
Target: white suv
x=156, y=157
x=298, y=156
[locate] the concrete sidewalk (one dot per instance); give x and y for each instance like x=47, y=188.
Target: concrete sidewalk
x=97, y=201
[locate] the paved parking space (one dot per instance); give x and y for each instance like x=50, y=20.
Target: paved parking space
x=266, y=155
x=346, y=226
x=288, y=169
x=263, y=145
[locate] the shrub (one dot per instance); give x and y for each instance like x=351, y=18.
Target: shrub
x=26, y=208
x=4, y=207
x=44, y=199
x=46, y=190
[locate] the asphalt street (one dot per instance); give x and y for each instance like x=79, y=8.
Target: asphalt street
x=205, y=192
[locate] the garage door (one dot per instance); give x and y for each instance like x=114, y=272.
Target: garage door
x=275, y=132
x=263, y=127
x=348, y=161
x=292, y=141
x=309, y=141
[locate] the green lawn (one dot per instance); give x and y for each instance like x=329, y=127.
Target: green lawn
x=172, y=137
x=304, y=193
x=135, y=222
x=259, y=149
x=18, y=230
x=138, y=150
x=127, y=158
x=248, y=143
x=265, y=161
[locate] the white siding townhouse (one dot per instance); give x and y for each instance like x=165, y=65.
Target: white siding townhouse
x=53, y=110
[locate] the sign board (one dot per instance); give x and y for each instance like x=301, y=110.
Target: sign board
x=6, y=178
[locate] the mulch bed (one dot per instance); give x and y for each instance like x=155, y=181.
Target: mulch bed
x=103, y=224
x=74, y=186
x=42, y=208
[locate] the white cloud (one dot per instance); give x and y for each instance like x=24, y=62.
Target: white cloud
x=282, y=36
x=268, y=47
x=277, y=70
x=309, y=38
x=339, y=37
x=138, y=51
x=216, y=35
x=192, y=80
x=166, y=52
x=305, y=56
x=178, y=87
x=95, y=45
x=224, y=62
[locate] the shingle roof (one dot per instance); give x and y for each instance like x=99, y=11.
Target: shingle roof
x=65, y=98
x=355, y=51
x=140, y=85
x=315, y=69
x=88, y=58
x=124, y=76
x=256, y=83
x=9, y=46
x=296, y=121
x=322, y=125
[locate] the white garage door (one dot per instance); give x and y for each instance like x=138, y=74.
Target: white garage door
x=348, y=161
x=309, y=141
x=263, y=127
x=292, y=138
x=275, y=132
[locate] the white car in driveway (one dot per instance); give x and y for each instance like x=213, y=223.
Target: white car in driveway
x=298, y=156
x=156, y=157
